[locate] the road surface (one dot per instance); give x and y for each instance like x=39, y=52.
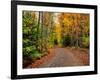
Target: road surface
x=62, y=58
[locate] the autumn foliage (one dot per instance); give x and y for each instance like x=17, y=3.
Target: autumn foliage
x=44, y=30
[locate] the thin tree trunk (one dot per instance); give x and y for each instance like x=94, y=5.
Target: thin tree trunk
x=37, y=46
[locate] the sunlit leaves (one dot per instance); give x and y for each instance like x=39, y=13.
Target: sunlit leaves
x=76, y=25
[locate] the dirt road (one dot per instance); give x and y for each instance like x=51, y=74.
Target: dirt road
x=62, y=58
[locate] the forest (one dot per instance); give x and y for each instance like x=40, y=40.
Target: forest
x=43, y=31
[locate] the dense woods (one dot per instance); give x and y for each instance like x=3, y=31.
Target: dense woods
x=45, y=30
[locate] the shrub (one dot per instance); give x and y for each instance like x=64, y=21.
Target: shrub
x=85, y=42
